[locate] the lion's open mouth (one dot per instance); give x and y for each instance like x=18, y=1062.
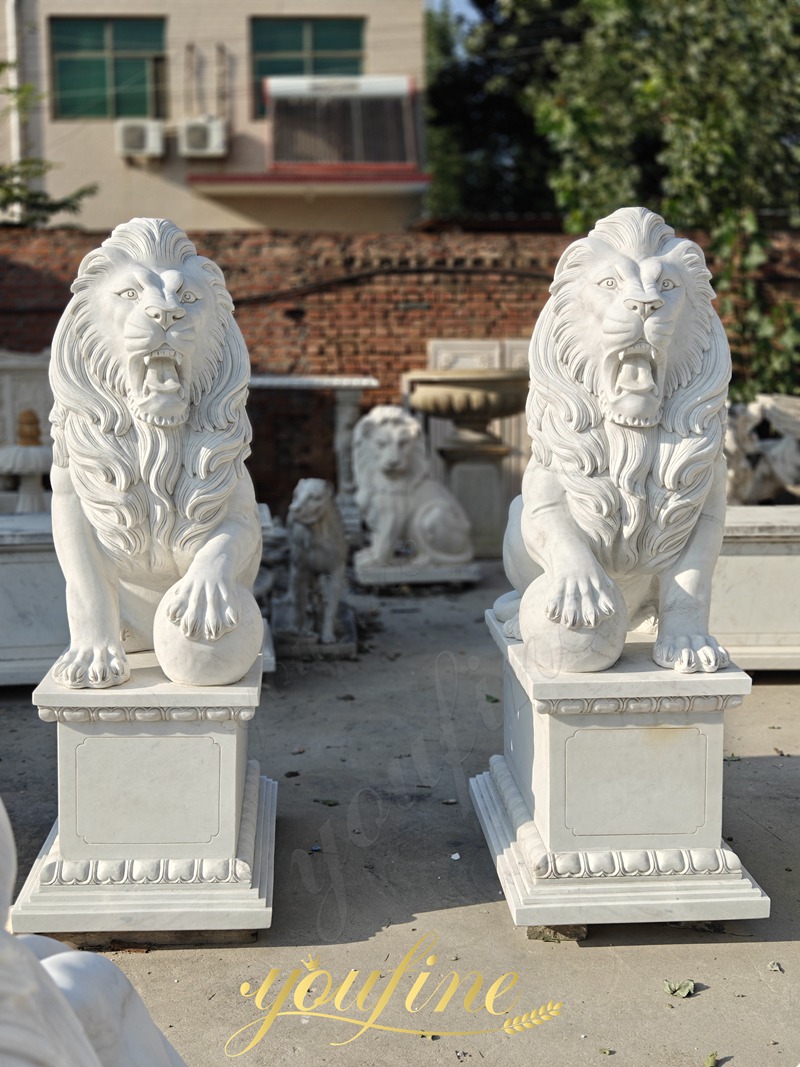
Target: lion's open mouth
x=637, y=370
x=161, y=373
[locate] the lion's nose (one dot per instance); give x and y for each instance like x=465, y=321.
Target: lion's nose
x=645, y=308
x=165, y=317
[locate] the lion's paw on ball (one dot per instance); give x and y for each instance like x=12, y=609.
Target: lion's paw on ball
x=551, y=647
x=200, y=661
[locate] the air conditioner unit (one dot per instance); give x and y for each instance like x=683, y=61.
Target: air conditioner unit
x=202, y=138
x=139, y=137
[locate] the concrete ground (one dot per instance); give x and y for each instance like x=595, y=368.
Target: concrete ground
x=379, y=851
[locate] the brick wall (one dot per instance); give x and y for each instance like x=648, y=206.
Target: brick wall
x=318, y=304
x=330, y=304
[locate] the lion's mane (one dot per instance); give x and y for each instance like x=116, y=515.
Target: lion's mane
x=140, y=492
x=638, y=489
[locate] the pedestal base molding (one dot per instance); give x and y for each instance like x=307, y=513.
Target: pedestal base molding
x=62, y=896
x=604, y=885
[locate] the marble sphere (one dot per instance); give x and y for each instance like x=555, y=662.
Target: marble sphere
x=554, y=647
x=199, y=660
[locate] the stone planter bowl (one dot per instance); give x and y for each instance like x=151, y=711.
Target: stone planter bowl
x=469, y=398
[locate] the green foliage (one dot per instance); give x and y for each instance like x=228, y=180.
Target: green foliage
x=485, y=154
x=688, y=107
x=22, y=200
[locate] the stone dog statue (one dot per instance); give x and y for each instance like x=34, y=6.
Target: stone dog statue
x=399, y=499
x=623, y=500
x=154, y=516
x=318, y=555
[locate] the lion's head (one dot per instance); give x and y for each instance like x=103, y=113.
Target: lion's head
x=629, y=371
x=149, y=373
x=387, y=443
x=311, y=500
x=633, y=315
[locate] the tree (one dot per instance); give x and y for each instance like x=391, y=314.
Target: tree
x=485, y=153
x=693, y=108
x=22, y=200
x=689, y=107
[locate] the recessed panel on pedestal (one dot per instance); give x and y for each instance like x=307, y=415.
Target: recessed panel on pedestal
x=149, y=804
x=641, y=781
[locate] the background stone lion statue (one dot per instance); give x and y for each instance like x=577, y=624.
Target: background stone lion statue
x=401, y=503
x=623, y=500
x=318, y=556
x=154, y=516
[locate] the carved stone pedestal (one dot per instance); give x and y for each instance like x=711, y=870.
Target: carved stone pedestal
x=607, y=803
x=163, y=823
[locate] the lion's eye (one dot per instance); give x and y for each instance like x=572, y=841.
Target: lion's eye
x=188, y=298
x=667, y=284
x=608, y=283
x=128, y=294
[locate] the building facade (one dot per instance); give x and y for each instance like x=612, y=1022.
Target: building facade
x=288, y=114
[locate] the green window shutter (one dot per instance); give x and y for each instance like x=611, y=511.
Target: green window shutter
x=131, y=89
x=138, y=35
x=336, y=35
x=277, y=35
x=81, y=88
x=77, y=35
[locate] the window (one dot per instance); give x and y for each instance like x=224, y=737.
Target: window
x=108, y=68
x=304, y=46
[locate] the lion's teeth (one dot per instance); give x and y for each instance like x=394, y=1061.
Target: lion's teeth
x=147, y=361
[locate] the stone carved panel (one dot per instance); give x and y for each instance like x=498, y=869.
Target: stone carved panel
x=132, y=812
x=137, y=714
x=616, y=777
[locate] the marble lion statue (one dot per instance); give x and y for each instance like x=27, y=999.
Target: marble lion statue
x=318, y=556
x=154, y=515
x=623, y=501
x=401, y=503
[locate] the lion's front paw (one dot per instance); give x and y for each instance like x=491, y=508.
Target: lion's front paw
x=92, y=667
x=580, y=600
x=689, y=653
x=203, y=607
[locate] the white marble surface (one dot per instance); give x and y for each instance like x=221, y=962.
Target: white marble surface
x=163, y=823
x=634, y=675
x=410, y=516
x=154, y=514
x=755, y=610
x=606, y=805
x=64, y=1008
x=312, y=381
x=33, y=618
x=629, y=367
x=148, y=687
x=608, y=899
